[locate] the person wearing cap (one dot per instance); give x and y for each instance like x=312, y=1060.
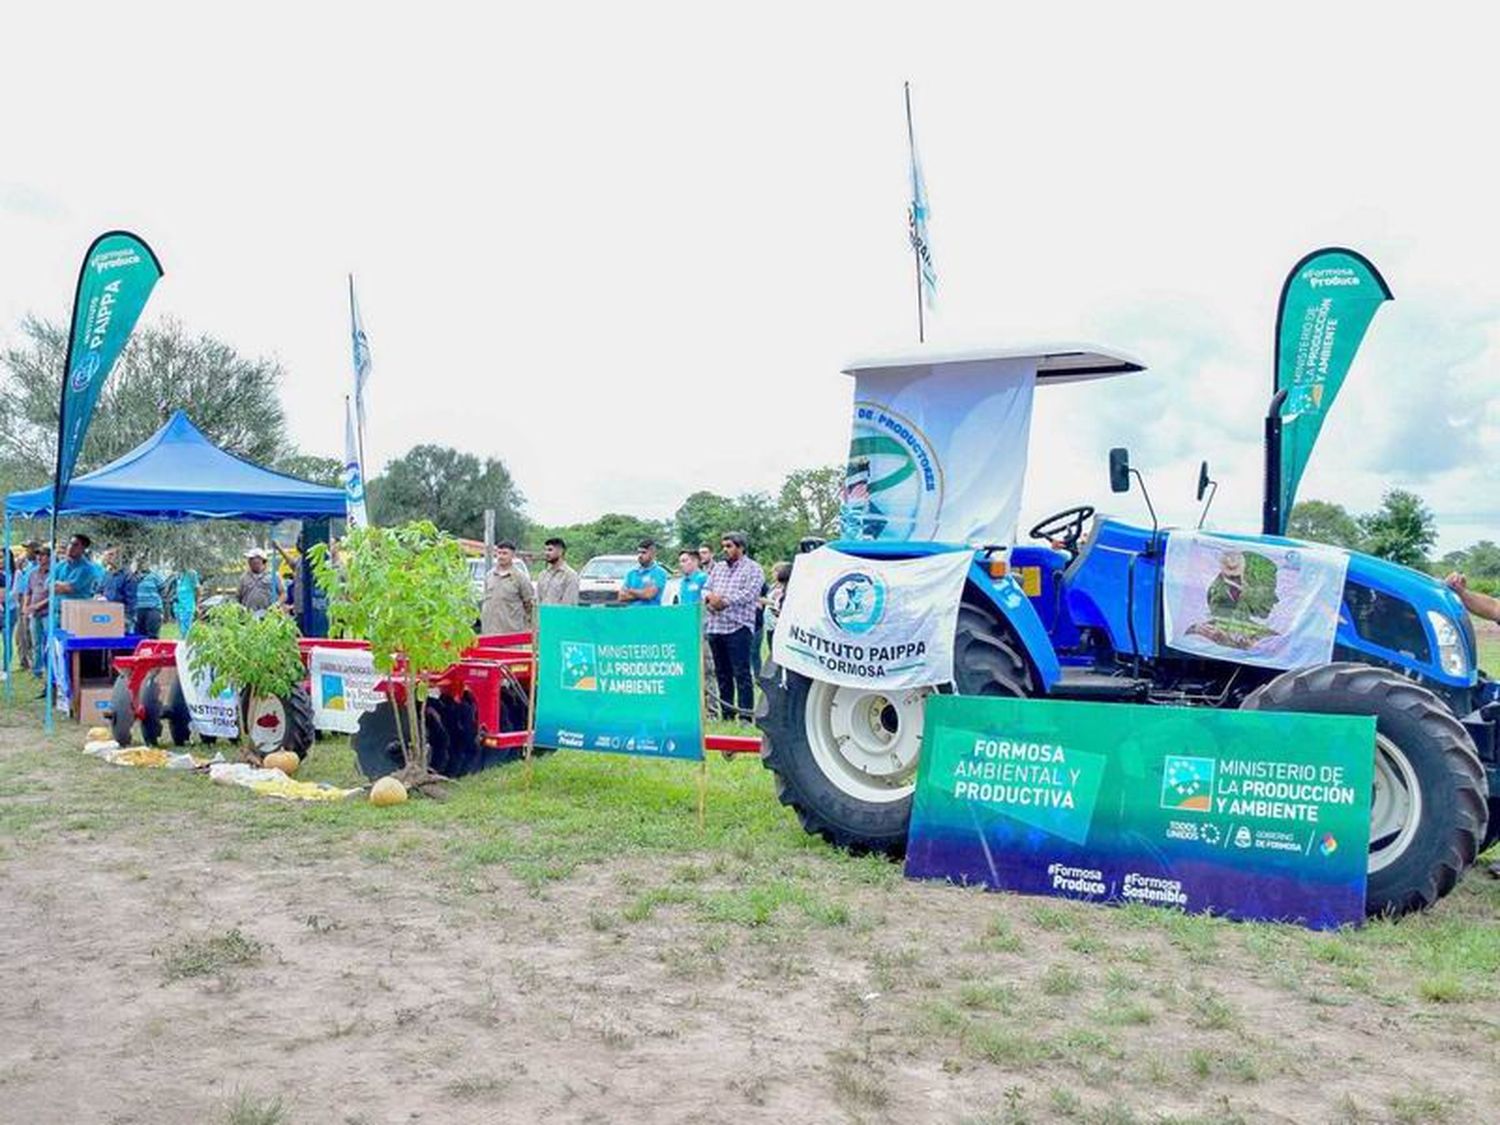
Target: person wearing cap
x=78, y=576
x=558, y=582
x=15, y=596
x=34, y=608
x=509, y=599
x=644, y=584
x=257, y=591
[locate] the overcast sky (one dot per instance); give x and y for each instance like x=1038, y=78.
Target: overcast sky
x=628, y=247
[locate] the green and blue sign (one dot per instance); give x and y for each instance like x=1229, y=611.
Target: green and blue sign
x=1254, y=815
x=1327, y=303
x=623, y=683
x=119, y=271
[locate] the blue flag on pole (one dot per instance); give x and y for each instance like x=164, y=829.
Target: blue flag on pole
x=361, y=358
x=916, y=218
x=354, y=473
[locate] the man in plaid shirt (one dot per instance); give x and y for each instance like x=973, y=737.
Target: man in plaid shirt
x=731, y=599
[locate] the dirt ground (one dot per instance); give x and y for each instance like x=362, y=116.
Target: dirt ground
x=157, y=976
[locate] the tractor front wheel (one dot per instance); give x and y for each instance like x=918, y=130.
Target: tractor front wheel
x=1428, y=812
x=845, y=758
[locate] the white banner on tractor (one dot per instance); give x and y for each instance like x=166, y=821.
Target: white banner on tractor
x=938, y=450
x=343, y=687
x=879, y=623
x=1252, y=603
x=216, y=716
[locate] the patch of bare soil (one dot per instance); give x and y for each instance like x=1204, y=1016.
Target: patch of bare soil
x=153, y=983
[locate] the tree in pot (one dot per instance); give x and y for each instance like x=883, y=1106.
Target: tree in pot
x=407, y=591
x=254, y=654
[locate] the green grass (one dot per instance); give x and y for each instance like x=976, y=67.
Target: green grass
x=1116, y=996
x=1489, y=651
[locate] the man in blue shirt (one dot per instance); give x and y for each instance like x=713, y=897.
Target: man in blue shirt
x=119, y=583
x=78, y=576
x=644, y=584
x=690, y=589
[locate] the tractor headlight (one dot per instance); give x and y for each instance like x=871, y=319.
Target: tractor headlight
x=1451, y=654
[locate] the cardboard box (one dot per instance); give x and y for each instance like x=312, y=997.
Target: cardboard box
x=89, y=618
x=93, y=705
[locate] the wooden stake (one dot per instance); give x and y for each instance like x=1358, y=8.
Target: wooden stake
x=703, y=731
x=531, y=711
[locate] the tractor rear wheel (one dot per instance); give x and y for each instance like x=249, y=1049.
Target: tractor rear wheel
x=845, y=758
x=1428, y=814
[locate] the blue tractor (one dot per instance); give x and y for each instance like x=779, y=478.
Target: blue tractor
x=1078, y=615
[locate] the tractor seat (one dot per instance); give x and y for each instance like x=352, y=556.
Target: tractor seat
x=1085, y=545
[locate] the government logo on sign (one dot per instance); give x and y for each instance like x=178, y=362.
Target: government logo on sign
x=1187, y=783
x=579, y=666
x=855, y=602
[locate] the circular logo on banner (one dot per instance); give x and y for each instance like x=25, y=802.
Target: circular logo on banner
x=354, y=484
x=83, y=372
x=893, y=485
x=856, y=602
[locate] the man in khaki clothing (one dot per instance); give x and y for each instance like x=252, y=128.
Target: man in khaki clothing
x=558, y=582
x=509, y=600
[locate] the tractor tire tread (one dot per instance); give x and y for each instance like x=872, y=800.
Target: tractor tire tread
x=1464, y=776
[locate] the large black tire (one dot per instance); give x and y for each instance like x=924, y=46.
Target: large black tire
x=1417, y=738
x=296, y=726
x=151, y=710
x=121, y=711
x=179, y=718
x=987, y=660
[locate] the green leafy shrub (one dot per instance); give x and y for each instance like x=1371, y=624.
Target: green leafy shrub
x=256, y=655
x=406, y=590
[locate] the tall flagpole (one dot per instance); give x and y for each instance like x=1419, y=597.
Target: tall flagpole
x=911, y=149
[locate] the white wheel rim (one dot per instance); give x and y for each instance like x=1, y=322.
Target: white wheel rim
x=265, y=735
x=866, y=742
x=1396, y=805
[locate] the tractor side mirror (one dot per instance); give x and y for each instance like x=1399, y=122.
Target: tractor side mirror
x=1202, y=478
x=1119, y=469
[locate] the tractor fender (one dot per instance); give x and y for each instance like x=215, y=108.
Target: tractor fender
x=1006, y=598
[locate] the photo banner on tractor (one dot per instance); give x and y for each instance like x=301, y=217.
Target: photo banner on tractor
x=1327, y=303
x=1254, y=815
x=1251, y=602
x=622, y=681
x=873, y=623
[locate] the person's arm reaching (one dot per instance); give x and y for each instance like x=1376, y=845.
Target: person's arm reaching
x=1480, y=605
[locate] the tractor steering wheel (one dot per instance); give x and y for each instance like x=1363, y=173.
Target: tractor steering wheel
x=1065, y=527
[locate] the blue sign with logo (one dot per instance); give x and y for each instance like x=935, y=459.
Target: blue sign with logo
x=625, y=683
x=1258, y=814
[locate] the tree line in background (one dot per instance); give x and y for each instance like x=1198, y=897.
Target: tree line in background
x=234, y=400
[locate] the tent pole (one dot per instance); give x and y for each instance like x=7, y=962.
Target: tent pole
x=48, y=722
x=11, y=574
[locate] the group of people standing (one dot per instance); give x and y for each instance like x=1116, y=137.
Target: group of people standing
x=740, y=608
x=142, y=594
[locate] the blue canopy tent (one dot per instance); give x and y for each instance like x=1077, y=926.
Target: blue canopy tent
x=178, y=474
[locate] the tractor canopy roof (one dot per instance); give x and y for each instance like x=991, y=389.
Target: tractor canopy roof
x=1055, y=363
